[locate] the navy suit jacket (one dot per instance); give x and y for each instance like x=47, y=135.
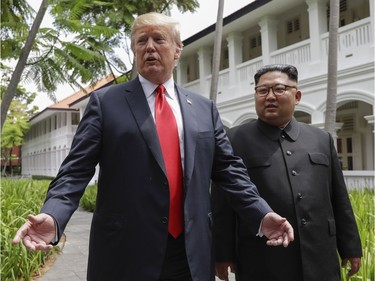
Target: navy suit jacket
x=129, y=230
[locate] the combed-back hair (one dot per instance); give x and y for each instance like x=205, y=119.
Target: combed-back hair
x=157, y=19
x=289, y=70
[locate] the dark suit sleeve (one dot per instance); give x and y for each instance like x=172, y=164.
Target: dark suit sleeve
x=346, y=227
x=230, y=174
x=224, y=227
x=77, y=169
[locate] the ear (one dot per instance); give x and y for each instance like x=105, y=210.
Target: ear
x=177, y=54
x=297, y=98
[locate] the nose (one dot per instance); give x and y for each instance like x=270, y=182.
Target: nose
x=270, y=94
x=150, y=45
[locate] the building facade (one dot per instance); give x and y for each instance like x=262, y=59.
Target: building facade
x=295, y=32
x=263, y=32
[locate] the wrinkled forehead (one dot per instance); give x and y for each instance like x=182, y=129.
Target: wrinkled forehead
x=152, y=30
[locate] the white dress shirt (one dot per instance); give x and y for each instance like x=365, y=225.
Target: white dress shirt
x=172, y=99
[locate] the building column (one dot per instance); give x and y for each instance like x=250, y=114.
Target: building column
x=268, y=30
x=317, y=26
x=369, y=140
x=338, y=126
x=205, y=68
x=181, y=72
x=235, y=56
x=372, y=18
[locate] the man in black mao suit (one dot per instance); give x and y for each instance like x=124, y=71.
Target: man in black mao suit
x=296, y=169
x=129, y=238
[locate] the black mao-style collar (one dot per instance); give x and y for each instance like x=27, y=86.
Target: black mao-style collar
x=273, y=132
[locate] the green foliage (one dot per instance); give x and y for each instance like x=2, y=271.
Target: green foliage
x=363, y=207
x=16, y=125
x=15, y=15
x=81, y=47
x=22, y=197
x=88, y=200
x=18, y=199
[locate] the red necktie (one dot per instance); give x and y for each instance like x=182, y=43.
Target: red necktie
x=170, y=145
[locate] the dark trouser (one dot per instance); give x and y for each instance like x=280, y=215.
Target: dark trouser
x=175, y=267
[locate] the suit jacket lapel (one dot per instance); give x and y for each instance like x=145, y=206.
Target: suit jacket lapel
x=141, y=111
x=189, y=117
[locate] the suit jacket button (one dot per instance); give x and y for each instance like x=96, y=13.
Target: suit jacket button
x=294, y=173
x=164, y=219
x=299, y=195
x=303, y=221
x=288, y=152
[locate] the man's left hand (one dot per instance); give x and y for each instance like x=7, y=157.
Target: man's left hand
x=355, y=264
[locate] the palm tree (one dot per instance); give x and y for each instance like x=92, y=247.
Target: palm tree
x=331, y=106
x=16, y=76
x=217, y=50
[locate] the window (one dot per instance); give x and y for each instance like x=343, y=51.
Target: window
x=255, y=41
x=345, y=152
x=343, y=6
x=293, y=25
x=75, y=118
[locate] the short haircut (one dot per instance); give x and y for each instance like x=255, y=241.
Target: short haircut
x=289, y=70
x=157, y=19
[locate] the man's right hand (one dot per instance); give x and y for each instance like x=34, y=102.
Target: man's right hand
x=221, y=270
x=36, y=233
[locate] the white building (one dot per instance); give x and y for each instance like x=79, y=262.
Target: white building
x=263, y=32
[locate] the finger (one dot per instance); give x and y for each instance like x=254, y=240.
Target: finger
x=21, y=233
x=290, y=232
x=27, y=242
x=275, y=242
x=43, y=247
x=354, y=267
x=35, y=219
x=344, y=262
x=286, y=240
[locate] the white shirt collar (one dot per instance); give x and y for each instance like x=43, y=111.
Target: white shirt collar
x=149, y=87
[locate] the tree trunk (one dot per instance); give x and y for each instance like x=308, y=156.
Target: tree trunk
x=134, y=71
x=217, y=50
x=10, y=162
x=16, y=76
x=331, y=106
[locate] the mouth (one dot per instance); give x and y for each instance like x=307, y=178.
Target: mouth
x=151, y=59
x=271, y=106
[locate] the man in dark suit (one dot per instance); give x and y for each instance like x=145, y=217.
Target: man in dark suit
x=153, y=215
x=296, y=170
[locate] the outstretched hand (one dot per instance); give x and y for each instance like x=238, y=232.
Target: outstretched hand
x=277, y=229
x=36, y=233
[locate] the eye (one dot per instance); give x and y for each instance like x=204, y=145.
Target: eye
x=160, y=40
x=262, y=90
x=279, y=89
x=141, y=41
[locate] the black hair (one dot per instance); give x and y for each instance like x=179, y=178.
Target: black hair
x=289, y=70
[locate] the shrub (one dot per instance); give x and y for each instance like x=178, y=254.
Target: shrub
x=22, y=197
x=88, y=200
x=363, y=207
x=18, y=199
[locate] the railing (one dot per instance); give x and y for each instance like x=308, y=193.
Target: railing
x=246, y=70
x=354, y=39
x=295, y=54
x=351, y=37
x=193, y=86
x=359, y=179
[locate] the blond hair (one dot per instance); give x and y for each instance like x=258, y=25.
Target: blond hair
x=157, y=19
